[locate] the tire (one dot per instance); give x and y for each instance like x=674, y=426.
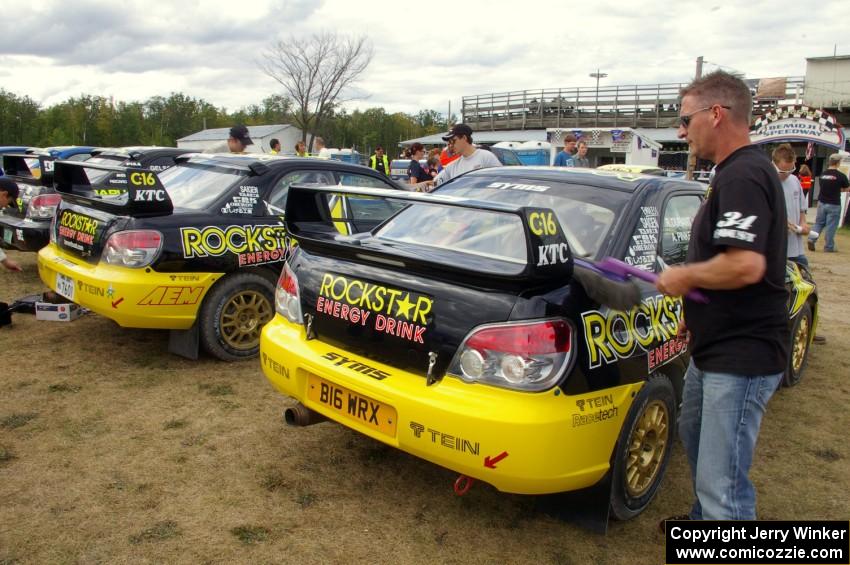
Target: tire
x=643, y=448
x=233, y=315
x=801, y=339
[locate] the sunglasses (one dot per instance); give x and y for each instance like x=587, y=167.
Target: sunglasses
x=685, y=120
x=788, y=172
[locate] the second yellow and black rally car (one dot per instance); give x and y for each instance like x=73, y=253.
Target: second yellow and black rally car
x=464, y=330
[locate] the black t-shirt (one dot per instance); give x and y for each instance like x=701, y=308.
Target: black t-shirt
x=831, y=183
x=742, y=331
x=417, y=170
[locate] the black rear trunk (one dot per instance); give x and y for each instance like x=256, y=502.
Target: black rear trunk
x=391, y=316
x=82, y=231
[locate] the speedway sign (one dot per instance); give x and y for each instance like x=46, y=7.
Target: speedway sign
x=798, y=123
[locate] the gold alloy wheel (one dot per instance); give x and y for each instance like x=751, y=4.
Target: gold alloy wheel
x=801, y=342
x=242, y=319
x=647, y=446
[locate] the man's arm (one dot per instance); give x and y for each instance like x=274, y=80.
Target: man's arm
x=731, y=269
x=804, y=226
x=8, y=263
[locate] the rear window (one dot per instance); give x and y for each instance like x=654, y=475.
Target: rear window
x=195, y=187
x=488, y=234
x=34, y=167
x=586, y=213
x=99, y=177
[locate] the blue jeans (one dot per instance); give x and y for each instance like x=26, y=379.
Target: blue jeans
x=719, y=425
x=827, y=218
x=800, y=260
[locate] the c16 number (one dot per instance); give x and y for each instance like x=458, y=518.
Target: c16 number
x=142, y=179
x=542, y=223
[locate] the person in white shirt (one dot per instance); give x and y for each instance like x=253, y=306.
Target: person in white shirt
x=471, y=158
x=237, y=142
x=322, y=152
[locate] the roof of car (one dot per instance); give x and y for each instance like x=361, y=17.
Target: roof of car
x=61, y=151
x=140, y=151
x=637, y=169
x=215, y=134
x=269, y=160
x=595, y=177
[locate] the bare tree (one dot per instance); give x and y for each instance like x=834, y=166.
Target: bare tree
x=315, y=73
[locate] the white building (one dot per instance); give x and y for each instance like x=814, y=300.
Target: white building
x=260, y=135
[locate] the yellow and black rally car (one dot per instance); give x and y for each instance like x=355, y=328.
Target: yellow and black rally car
x=195, y=249
x=465, y=330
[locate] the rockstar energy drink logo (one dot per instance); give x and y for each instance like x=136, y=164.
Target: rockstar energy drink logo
x=76, y=229
x=388, y=310
x=253, y=244
x=78, y=222
x=614, y=334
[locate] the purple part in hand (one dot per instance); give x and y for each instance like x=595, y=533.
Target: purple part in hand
x=620, y=269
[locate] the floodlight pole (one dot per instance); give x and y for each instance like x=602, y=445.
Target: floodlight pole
x=597, y=75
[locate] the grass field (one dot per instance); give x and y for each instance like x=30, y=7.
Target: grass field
x=114, y=451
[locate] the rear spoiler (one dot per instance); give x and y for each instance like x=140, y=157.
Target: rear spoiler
x=144, y=195
x=14, y=165
x=308, y=219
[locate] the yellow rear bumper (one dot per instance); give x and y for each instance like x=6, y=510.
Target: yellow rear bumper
x=134, y=298
x=527, y=443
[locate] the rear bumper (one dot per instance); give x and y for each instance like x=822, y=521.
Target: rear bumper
x=540, y=442
x=133, y=298
x=23, y=234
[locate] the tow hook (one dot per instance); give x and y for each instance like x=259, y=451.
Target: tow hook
x=432, y=360
x=463, y=484
x=309, y=327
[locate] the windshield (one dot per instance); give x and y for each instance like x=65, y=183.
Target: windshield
x=507, y=157
x=97, y=176
x=586, y=214
x=195, y=187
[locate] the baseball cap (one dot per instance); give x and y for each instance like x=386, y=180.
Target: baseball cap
x=11, y=187
x=240, y=133
x=458, y=129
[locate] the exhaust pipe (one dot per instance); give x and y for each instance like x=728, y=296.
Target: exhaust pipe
x=299, y=415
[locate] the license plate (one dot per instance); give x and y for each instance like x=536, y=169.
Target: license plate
x=65, y=286
x=352, y=406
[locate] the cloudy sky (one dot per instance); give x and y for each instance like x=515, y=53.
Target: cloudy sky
x=425, y=53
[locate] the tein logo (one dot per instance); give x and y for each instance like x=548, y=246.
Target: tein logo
x=597, y=402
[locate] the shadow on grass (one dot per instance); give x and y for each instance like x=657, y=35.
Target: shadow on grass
x=63, y=387
x=6, y=455
x=250, y=535
x=158, y=532
x=17, y=420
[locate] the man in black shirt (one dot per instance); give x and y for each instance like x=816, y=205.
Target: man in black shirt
x=737, y=258
x=832, y=183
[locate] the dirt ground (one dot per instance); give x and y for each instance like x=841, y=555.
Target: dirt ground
x=114, y=451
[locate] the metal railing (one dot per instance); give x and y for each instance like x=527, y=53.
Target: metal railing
x=652, y=106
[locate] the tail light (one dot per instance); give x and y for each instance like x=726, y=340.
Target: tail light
x=528, y=356
x=287, y=298
x=133, y=248
x=43, y=206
